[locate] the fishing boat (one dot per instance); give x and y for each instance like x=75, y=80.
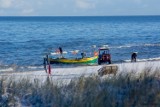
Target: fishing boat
x=86, y=60
x=57, y=57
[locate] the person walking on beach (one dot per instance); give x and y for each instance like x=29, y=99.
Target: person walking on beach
x=133, y=57
x=45, y=64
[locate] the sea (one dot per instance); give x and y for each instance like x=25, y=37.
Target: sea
x=24, y=41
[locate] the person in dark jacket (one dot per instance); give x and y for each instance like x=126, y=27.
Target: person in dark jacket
x=45, y=64
x=83, y=54
x=133, y=57
x=61, y=52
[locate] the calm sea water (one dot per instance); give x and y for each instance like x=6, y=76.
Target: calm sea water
x=24, y=40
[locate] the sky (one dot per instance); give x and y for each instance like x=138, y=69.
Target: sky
x=79, y=7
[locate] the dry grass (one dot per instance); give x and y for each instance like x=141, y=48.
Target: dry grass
x=118, y=91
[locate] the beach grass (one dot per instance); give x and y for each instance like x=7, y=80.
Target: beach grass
x=123, y=90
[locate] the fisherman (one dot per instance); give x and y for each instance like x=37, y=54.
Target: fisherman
x=83, y=54
x=45, y=65
x=61, y=51
x=133, y=57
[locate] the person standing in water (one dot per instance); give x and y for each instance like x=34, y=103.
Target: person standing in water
x=134, y=57
x=61, y=51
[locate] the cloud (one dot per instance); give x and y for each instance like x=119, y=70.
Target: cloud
x=138, y=1
x=6, y=3
x=78, y=7
x=18, y=7
x=27, y=11
x=84, y=4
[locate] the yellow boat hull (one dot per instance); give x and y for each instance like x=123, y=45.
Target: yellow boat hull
x=89, y=60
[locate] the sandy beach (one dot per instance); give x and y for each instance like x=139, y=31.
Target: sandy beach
x=66, y=74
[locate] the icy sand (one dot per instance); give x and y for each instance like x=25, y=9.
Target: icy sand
x=66, y=74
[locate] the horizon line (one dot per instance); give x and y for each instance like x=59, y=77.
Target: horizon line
x=81, y=16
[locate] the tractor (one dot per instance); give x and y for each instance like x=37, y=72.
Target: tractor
x=104, y=55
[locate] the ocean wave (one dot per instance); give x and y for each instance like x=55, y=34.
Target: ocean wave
x=151, y=44
x=6, y=69
x=16, y=68
x=130, y=45
x=149, y=59
x=123, y=46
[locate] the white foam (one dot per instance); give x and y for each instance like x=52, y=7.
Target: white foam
x=131, y=45
x=34, y=67
x=151, y=44
x=149, y=59
x=6, y=69
x=123, y=46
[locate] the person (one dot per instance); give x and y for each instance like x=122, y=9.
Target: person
x=45, y=64
x=61, y=51
x=133, y=57
x=83, y=54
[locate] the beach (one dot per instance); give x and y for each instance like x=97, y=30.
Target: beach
x=73, y=84
x=65, y=74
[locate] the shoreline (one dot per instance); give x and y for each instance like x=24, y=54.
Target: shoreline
x=78, y=71
x=63, y=76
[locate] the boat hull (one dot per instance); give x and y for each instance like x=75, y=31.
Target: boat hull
x=89, y=60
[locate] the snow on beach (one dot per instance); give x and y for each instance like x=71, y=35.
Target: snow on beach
x=66, y=74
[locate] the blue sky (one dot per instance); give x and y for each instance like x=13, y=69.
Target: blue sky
x=78, y=7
